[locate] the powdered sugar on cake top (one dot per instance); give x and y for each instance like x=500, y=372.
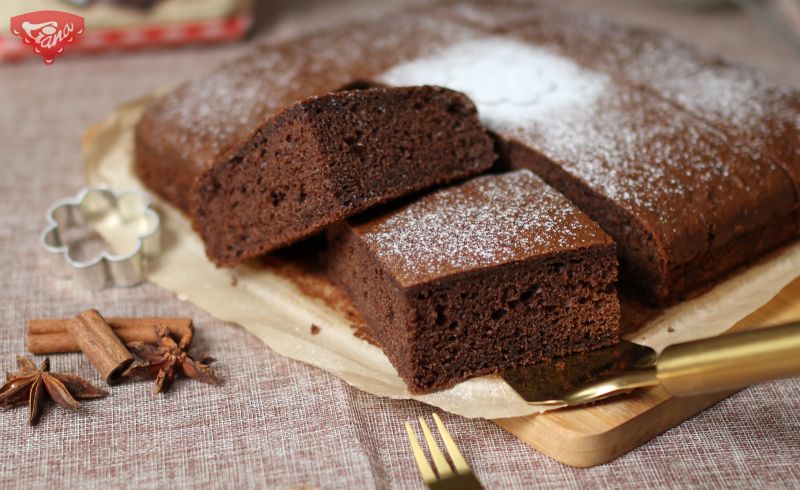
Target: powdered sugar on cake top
x=484, y=222
x=511, y=82
x=213, y=113
x=735, y=98
x=627, y=145
x=732, y=97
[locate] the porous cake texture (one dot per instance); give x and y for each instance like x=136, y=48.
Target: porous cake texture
x=188, y=130
x=688, y=161
x=684, y=206
x=475, y=278
x=329, y=157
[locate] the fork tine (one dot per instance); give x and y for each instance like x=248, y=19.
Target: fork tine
x=456, y=457
x=439, y=461
x=419, y=456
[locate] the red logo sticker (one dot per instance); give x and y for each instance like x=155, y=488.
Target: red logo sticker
x=47, y=31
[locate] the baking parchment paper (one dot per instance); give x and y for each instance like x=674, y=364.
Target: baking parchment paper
x=278, y=301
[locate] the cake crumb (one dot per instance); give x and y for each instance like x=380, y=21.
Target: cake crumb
x=670, y=329
x=234, y=280
x=314, y=329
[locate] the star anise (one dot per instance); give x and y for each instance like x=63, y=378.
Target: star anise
x=32, y=386
x=166, y=360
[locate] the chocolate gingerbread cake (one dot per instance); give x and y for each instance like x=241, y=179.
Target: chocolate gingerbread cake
x=684, y=206
x=757, y=116
x=329, y=157
x=185, y=132
x=493, y=273
x=689, y=190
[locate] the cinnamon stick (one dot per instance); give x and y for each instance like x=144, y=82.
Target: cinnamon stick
x=101, y=345
x=50, y=336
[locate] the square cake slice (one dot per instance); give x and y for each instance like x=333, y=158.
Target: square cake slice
x=330, y=157
x=496, y=272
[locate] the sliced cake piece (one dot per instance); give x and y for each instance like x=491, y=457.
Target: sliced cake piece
x=493, y=273
x=684, y=205
x=184, y=132
x=329, y=157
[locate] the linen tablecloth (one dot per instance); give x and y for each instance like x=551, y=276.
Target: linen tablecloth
x=274, y=422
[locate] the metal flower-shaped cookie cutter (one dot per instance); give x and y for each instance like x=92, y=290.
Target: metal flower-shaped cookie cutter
x=126, y=223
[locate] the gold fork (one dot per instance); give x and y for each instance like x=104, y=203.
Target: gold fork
x=459, y=476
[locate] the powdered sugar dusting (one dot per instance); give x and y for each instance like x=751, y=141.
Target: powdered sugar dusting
x=209, y=115
x=736, y=99
x=638, y=150
x=511, y=82
x=484, y=222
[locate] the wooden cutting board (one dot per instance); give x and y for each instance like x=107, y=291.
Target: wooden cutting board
x=596, y=434
x=578, y=437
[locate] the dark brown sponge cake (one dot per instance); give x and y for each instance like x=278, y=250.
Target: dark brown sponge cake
x=689, y=192
x=186, y=131
x=757, y=117
x=493, y=273
x=684, y=206
x=329, y=157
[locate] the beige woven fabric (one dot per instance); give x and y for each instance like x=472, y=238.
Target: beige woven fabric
x=277, y=423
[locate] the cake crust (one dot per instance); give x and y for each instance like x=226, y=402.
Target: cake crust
x=690, y=185
x=331, y=157
x=684, y=205
x=486, y=275
x=186, y=131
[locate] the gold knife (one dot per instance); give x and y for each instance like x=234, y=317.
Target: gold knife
x=710, y=365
